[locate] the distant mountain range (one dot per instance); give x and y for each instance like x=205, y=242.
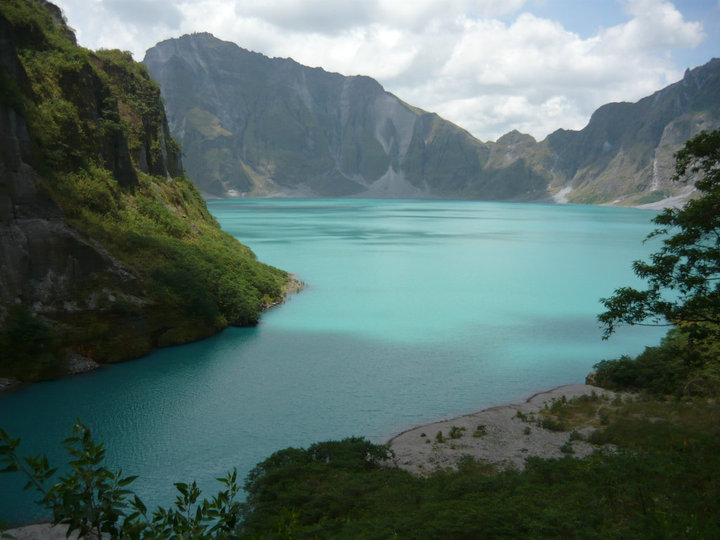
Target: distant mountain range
x=257, y=126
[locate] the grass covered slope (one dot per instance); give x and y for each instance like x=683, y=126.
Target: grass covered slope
x=108, y=250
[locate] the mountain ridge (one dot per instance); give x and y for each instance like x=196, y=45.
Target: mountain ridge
x=307, y=131
x=637, y=141
x=258, y=126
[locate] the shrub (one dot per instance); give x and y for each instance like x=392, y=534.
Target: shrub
x=567, y=447
x=480, y=431
x=658, y=370
x=552, y=424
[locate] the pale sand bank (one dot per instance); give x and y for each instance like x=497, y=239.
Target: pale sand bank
x=507, y=442
x=40, y=531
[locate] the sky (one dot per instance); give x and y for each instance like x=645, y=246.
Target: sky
x=489, y=66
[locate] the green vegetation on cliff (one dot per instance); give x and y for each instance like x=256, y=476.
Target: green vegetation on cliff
x=136, y=260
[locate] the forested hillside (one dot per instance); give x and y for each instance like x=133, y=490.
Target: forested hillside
x=107, y=250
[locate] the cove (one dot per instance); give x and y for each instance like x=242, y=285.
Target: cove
x=414, y=310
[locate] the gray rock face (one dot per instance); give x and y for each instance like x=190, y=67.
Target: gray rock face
x=252, y=125
x=55, y=279
x=43, y=260
x=107, y=250
x=625, y=153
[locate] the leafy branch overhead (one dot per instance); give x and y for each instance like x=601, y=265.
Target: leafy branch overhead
x=683, y=276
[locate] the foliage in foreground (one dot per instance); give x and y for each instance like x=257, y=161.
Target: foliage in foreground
x=97, y=503
x=663, y=482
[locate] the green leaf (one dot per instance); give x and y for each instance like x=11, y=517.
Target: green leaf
x=127, y=480
x=12, y=467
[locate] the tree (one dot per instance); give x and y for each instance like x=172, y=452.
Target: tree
x=683, y=276
x=96, y=502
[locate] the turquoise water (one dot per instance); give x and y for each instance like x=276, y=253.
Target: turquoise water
x=414, y=311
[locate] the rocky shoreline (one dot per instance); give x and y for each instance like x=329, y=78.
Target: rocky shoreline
x=40, y=531
x=75, y=364
x=8, y=384
x=501, y=436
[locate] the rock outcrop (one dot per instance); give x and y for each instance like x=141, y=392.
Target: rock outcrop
x=252, y=125
x=255, y=126
x=106, y=249
x=625, y=155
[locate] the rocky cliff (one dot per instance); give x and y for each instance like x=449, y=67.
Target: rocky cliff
x=252, y=125
x=106, y=249
x=625, y=153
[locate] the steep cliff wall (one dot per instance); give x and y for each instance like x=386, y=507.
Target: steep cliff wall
x=625, y=153
x=106, y=249
x=252, y=125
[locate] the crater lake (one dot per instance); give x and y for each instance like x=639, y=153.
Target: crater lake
x=413, y=311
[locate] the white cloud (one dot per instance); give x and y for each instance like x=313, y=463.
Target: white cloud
x=488, y=66
x=307, y=15
x=655, y=24
x=534, y=75
x=145, y=13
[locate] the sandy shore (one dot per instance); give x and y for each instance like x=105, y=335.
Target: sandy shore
x=506, y=442
x=40, y=531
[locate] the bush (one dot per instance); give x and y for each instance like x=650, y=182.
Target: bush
x=552, y=424
x=668, y=369
x=24, y=338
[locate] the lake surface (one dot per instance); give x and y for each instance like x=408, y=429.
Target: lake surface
x=414, y=311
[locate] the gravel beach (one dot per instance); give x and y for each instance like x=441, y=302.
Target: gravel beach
x=506, y=438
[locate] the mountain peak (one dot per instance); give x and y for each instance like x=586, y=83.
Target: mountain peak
x=295, y=130
x=253, y=125
x=515, y=137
